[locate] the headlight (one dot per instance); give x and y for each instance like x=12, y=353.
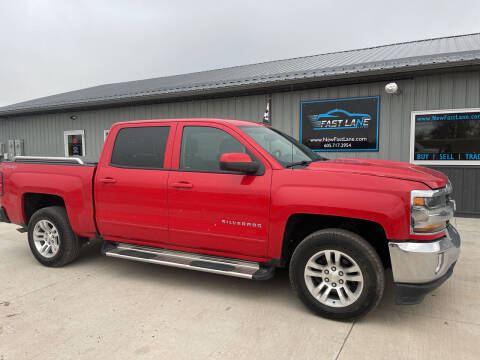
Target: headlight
x=430, y=202
x=430, y=210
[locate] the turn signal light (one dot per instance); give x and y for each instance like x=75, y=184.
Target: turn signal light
x=431, y=228
x=418, y=201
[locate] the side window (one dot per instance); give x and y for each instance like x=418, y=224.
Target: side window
x=202, y=147
x=140, y=147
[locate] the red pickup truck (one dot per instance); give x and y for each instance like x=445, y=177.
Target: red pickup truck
x=239, y=198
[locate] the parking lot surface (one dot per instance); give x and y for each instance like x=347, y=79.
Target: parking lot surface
x=109, y=308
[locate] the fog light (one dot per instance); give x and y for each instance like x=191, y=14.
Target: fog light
x=440, y=261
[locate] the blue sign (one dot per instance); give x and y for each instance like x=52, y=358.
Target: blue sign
x=340, y=124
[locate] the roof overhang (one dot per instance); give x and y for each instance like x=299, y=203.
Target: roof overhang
x=285, y=82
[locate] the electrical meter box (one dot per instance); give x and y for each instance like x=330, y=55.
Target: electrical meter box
x=19, y=147
x=11, y=149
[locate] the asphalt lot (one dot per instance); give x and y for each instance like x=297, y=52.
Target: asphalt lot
x=110, y=308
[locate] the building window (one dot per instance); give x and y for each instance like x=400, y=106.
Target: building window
x=105, y=134
x=74, y=143
x=445, y=137
x=140, y=147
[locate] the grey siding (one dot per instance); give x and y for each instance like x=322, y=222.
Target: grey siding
x=43, y=134
x=466, y=188
x=394, y=116
x=446, y=91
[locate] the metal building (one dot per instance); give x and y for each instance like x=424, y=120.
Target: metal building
x=431, y=75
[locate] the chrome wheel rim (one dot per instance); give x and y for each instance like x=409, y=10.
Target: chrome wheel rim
x=46, y=238
x=334, y=278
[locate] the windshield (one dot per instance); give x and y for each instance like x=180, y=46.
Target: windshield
x=284, y=148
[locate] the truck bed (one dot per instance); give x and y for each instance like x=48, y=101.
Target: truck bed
x=66, y=178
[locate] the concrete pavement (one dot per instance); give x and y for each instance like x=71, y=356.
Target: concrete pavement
x=110, y=308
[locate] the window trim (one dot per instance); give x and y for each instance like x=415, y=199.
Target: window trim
x=112, y=149
x=66, y=134
x=437, y=162
x=178, y=148
x=136, y=167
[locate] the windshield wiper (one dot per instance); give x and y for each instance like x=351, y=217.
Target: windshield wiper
x=298, y=163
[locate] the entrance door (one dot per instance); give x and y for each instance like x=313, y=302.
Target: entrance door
x=212, y=209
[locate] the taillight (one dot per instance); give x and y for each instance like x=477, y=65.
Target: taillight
x=1, y=183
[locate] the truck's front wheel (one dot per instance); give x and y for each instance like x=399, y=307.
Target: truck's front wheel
x=337, y=274
x=51, y=239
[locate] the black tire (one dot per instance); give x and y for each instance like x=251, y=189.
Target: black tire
x=355, y=247
x=69, y=244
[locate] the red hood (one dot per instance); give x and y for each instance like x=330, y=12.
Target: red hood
x=391, y=169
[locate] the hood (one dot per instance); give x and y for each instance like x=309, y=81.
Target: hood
x=390, y=169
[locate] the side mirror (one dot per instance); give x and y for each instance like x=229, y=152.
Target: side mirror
x=238, y=162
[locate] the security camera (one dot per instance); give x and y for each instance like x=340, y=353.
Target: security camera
x=391, y=88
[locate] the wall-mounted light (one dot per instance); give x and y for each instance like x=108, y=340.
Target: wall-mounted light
x=392, y=88
x=74, y=117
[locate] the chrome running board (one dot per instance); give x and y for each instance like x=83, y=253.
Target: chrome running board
x=192, y=261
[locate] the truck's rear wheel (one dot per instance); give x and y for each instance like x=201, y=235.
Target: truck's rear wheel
x=337, y=274
x=51, y=239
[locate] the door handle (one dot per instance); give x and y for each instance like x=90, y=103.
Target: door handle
x=108, y=180
x=182, y=185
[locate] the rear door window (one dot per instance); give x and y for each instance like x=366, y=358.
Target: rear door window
x=140, y=147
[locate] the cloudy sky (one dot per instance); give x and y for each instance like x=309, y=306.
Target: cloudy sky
x=53, y=46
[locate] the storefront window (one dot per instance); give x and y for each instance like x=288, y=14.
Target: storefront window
x=445, y=137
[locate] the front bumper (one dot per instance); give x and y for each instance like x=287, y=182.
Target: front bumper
x=420, y=267
x=3, y=215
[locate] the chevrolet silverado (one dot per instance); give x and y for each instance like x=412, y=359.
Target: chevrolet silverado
x=241, y=199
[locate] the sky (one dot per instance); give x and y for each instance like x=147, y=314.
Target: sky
x=53, y=46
